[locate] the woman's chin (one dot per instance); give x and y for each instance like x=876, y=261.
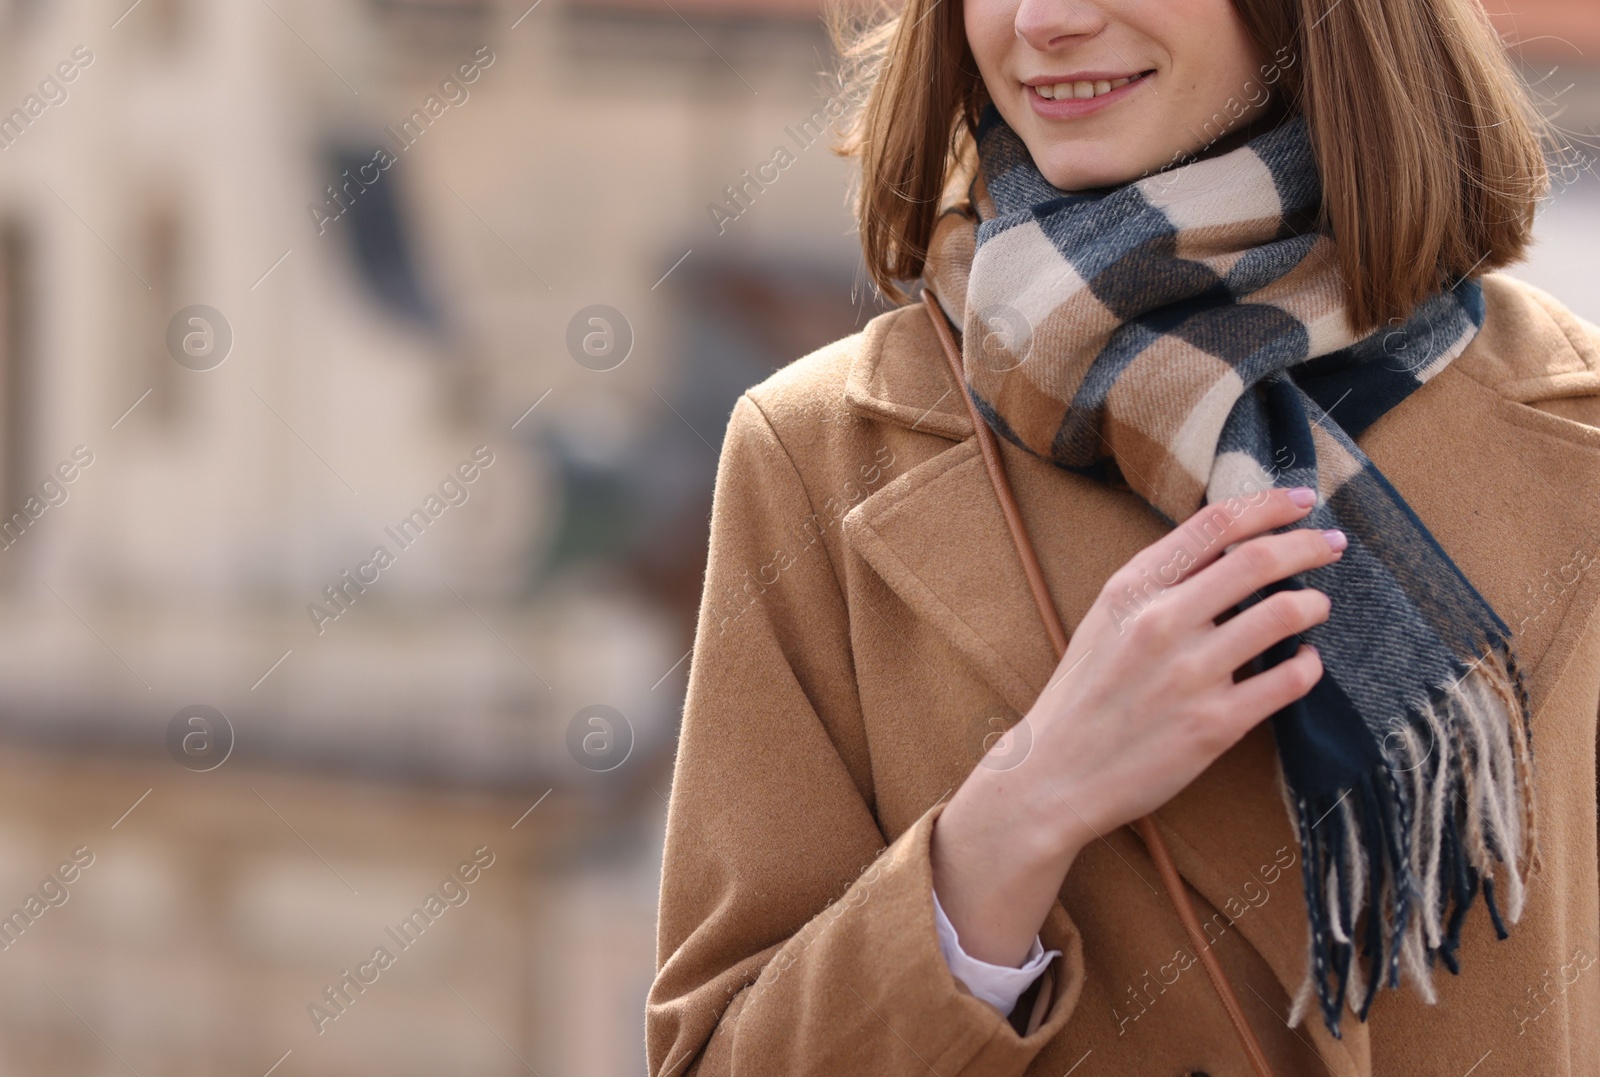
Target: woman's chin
x=1067, y=169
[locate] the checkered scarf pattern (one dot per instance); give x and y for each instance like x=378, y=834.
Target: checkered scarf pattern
x=1183, y=336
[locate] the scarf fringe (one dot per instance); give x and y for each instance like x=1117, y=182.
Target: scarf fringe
x=1410, y=844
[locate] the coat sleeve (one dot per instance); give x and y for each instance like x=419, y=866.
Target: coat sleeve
x=792, y=938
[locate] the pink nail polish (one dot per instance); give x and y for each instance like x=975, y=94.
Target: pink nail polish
x=1304, y=496
x=1336, y=538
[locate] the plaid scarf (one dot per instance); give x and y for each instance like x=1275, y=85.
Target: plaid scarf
x=1183, y=336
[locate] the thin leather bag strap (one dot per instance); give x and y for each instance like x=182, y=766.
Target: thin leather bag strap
x=1145, y=827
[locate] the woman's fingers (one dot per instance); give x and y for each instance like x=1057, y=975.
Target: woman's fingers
x=1255, y=698
x=1278, y=616
x=1249, y=567
x=1203, y=537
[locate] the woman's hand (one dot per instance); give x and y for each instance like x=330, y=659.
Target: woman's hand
x=1144, y=699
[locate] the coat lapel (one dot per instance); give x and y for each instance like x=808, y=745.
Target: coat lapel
x=920, y=531
x=936, y=536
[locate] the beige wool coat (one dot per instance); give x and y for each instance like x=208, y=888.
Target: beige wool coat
x=866, y=631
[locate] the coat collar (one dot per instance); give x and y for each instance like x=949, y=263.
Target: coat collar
x=936, y=535
x=899, y=376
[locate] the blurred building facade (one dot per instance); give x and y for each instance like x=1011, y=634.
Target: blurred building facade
x=402, y=218
x=270, y=275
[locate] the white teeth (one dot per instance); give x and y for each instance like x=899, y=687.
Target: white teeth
x=1062, y=91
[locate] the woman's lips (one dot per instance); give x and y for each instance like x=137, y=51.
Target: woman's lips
x=1105, y=94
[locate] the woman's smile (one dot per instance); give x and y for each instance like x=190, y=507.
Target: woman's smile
x=1142, y=82
x=1069, y=97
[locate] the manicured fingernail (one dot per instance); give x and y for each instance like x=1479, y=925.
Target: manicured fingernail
x=1304, y=496
x=1336, y=539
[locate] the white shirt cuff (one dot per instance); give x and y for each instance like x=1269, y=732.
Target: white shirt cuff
x=998, y=985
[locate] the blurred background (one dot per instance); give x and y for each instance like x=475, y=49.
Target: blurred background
x=284, y=284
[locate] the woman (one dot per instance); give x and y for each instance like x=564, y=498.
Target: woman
x=1286, y=448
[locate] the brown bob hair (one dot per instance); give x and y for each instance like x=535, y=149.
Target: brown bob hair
x=1430, y=150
